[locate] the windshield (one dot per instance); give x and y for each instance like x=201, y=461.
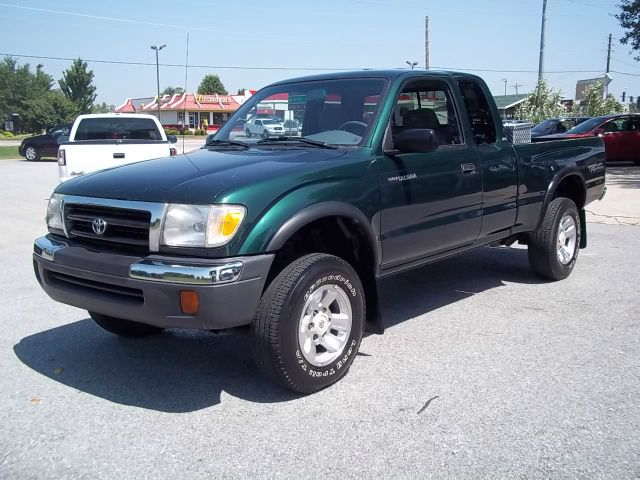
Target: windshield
x=587, y=125
x=545, y=126
x=337, y=112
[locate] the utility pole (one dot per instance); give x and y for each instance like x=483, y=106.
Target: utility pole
x=544, y=21
x=411, y=64
x=505, y=85
x=426, y=43
x=157, y=49
x=517, y=86
x=606, y=85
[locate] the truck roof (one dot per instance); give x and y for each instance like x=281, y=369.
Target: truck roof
x=388, y=74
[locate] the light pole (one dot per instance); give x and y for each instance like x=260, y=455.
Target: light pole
x=157, y=49
x=505, y=85
x=411, y=64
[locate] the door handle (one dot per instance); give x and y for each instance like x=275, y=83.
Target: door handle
x=118, y=155
x=468, y=168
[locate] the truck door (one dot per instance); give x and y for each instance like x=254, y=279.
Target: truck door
x=431, y=202
x=497, y=162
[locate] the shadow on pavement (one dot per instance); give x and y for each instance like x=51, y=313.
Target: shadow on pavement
x=623, y=175
x=184, y=371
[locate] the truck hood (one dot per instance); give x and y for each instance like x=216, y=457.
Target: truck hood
x=198, y=177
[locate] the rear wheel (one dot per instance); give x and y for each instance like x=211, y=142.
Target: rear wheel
x=309, y=324
x=124, y=328
x=248, y=133
x=554, y=247
x=31, y=153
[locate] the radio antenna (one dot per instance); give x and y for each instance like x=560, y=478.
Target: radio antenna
x=186, y=77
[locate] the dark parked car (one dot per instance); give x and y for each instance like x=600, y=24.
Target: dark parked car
x=38, y=146
x=552, y=126
x=621, y=135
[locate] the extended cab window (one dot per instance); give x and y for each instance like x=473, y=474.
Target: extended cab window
x=116, y=128
x=482, y=124
x=426, y=106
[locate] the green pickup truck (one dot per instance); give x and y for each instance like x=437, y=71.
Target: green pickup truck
x=286, y=236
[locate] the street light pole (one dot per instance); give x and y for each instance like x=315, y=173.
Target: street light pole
x=505, y=85
x=541, y=59
x=157, y=49
x=411, y=64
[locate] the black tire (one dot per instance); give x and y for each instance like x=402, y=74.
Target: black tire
x=275, y=328
x=124, y=328
x=265, y=134
x=543, y=243
x=31, y=153
x=248, y=133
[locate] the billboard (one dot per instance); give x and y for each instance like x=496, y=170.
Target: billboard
x=581, y=85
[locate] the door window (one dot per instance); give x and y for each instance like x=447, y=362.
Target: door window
x=613, y=126
x=482, y=123
x=426, y=106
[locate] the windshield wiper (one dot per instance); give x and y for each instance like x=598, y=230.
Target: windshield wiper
x=307, y=141
x=230, y=143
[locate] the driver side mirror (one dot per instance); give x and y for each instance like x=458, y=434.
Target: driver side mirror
x=417, y=140
x=172, y=139
x=598, y=132
x=62, y=139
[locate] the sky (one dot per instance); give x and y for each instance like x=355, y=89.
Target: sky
x=250, y=44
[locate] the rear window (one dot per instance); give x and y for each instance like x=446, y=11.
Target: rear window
x=117, y=128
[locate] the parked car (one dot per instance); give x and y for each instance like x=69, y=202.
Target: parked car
x=621, y=135
x=38, y=146
x=291, y=127
x=288, y=236
x=105, y=140
x=556, y=125
x=263, y=127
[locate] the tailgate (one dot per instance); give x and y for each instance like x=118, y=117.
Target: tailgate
x=87, y=157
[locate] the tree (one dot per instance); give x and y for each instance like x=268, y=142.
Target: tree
x=210, y=85
x=629, y=18
x=48, y=110
x=103, y=108
x=172, y=91
x=241, y=91
x=542, y=103
x=19, y=85
x=77, y=84
x=594, y=105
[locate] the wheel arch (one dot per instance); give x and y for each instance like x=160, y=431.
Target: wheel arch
x=353, y=239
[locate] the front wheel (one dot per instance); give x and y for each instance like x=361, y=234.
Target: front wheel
x=309, y=323
x=554, y=247
x=124, y=328
x=265, y=134
x=248, y=133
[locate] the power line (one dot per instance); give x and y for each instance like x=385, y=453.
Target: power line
x=319, y=69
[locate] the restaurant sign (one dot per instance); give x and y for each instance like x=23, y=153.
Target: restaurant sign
x=214, y=99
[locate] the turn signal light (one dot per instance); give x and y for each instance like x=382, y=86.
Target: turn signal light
x=189, y=302
x=230, y=222
x=62, y=158
x=173, y=152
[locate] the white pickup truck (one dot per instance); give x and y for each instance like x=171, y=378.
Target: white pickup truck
x=100, y=141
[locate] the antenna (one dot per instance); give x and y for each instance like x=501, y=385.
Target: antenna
x=186, y=77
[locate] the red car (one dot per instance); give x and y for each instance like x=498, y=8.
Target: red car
x=621, y=135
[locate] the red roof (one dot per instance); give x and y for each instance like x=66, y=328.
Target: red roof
x=126, y=107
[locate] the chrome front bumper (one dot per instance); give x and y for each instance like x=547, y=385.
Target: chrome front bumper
x=155, y=270
x=147, y=289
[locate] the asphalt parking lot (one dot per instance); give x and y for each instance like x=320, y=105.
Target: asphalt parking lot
x=484, y=371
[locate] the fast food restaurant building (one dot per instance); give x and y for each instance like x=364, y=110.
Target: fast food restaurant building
x=191, y=110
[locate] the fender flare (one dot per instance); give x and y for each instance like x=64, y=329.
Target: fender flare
x=553, y=186
x=322, y=210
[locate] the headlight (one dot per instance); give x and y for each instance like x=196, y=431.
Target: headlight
x=201, y=225
x=54, y=212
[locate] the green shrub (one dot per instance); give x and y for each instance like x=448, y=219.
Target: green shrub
x=8, y=134
x=188, y=132
x=171, y=131
x=200, y=132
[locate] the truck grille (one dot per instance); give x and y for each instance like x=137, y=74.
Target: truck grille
x=124, y=229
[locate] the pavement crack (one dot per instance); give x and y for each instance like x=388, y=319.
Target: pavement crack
x=427, y=404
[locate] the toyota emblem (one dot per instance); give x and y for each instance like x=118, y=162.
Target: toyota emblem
x=99, y=226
